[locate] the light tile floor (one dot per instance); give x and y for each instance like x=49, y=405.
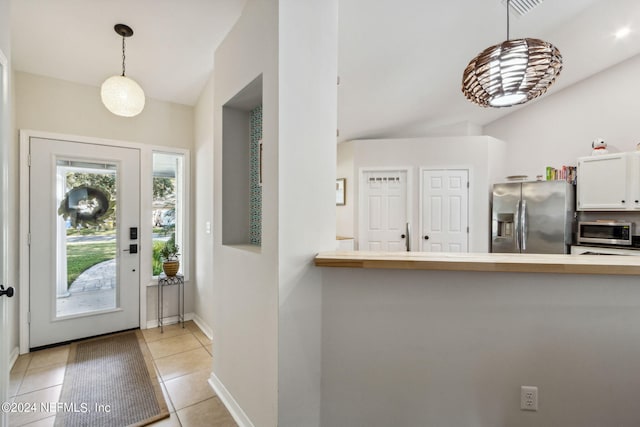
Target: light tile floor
x=182, y=358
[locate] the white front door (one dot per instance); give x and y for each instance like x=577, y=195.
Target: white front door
x=383, y=211
x=445, y=211
x=84, y=275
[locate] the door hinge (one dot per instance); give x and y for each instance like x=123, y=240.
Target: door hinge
x=29, y=239
x=467, y=230
x=337, y=132
x=338, y=81
x=29, y=160
x=29, y=317
x=467, y=184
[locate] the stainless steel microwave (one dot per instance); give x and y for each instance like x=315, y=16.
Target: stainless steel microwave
x=606, y=233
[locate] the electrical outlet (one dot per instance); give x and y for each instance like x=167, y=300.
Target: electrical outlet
x=528, y=398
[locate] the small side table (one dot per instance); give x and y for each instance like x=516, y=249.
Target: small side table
x=164, y=281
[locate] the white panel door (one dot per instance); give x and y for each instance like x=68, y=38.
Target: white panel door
x=384, y=214
x=445, y=211
x=84, y=275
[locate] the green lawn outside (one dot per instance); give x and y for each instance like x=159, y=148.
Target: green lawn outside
x=81, y=256
x=89, y=232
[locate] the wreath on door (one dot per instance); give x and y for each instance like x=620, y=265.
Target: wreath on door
x=86, y=206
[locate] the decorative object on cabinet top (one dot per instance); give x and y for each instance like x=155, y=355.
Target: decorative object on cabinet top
x=599, y=147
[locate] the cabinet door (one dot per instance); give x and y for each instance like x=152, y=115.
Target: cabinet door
x=634, y=180
x=603, y=183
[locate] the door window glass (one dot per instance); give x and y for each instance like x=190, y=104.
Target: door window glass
x=86, y=237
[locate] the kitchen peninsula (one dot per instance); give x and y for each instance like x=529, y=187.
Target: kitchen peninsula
x=449, y=339
x=491, y=262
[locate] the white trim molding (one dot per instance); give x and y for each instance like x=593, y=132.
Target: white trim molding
x=171, y=320
x=239, y=416
x=206, y=329
x=13, y=357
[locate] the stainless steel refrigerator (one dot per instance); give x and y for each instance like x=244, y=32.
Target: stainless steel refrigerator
x=533, y=217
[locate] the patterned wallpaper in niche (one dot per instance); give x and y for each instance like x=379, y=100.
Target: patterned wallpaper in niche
x=255, y=231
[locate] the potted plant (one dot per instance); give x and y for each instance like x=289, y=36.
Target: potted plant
x=169, y=254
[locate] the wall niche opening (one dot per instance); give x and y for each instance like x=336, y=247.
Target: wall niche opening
x=242, y=167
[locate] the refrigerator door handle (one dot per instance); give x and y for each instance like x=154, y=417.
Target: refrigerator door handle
x=523, y=226
x=517, y=225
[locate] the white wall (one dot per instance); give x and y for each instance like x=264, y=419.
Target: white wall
x=560, y=127
x=426, y=348
x=308, y=43
x=267, y=300
x=202, y=203
x=244, y=307
x=52, y=105
x=476, y=153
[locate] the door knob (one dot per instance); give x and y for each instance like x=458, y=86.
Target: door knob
x=426, y=237
x=403, y=236
x=8, y=292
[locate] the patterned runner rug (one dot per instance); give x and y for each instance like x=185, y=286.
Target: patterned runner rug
x=110, y=381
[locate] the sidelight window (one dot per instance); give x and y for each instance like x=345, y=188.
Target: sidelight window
x=169, y=207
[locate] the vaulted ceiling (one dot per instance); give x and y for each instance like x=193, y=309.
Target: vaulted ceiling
x=400, y=61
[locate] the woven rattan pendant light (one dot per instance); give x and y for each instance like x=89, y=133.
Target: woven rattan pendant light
x=512, y=72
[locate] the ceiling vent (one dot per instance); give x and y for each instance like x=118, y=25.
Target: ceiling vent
x=522, y=7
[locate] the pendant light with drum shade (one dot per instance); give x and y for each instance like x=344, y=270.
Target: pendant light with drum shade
x=512, y=72
x=120, y=94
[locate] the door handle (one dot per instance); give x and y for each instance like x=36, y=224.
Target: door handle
x=408, y=228
x=523, y=226
x=402, y=236
x=518, y=226
x=133, y=249
x=426, y=237
x=8, y=292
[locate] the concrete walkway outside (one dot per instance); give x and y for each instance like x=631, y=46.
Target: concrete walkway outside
x=93, y=290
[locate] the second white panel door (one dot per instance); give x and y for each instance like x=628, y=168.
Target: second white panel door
x=445, y=210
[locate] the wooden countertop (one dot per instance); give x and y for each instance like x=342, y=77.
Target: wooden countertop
x=520, y=263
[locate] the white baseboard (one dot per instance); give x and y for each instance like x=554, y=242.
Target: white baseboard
x=206, y=329
x=168, y=320
x=227, y=399
x=13, y=356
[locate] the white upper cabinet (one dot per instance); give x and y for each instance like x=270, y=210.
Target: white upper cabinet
x=609, y=182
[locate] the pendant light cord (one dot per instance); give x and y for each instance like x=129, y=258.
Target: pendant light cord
x=507, y=23
x=123, y=56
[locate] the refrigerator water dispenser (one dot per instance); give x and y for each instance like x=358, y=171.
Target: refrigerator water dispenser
x=505, y=225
